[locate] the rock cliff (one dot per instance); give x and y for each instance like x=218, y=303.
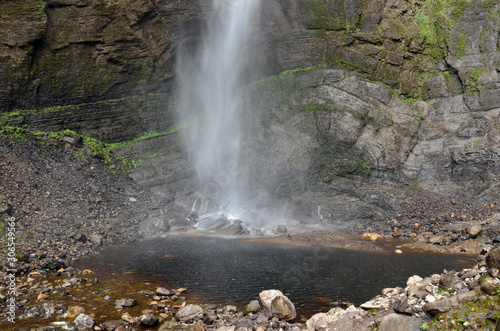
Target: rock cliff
x=358, y=106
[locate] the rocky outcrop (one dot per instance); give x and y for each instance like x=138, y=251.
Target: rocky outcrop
x=398, y=100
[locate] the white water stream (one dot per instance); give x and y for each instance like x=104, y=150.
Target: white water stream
x=210, y=101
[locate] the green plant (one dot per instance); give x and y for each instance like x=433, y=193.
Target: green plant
x=443, y=291
x=365, y=168
x=424, y=326
x=410, y=100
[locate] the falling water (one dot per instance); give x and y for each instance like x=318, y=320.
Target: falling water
x=210, y=102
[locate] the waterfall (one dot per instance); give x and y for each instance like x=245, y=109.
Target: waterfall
x=210, y=76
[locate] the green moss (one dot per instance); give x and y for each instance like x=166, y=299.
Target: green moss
x=426, y=28
x=473, y=312
x=99, y=149
x=459, y=8
x=312, y=107
x=476, y=74
x=62, y=108
x=473, y=83
x=410, y=100
x=460, y=46
x=324, y=14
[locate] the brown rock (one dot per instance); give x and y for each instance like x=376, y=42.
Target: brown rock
x=371, y=236
x=493, y=262
x=490, y=285
x=74, y=311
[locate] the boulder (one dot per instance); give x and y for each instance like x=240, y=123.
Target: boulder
x=338, y=319
x=319, y=321
x=277, y=304
x=148, y=319
x=493, y=262
x=83, y=322
x=413, y=280
x=490, y=285
x=448, y=280
x=189, y=313
x=398, y=322
x=443, y=305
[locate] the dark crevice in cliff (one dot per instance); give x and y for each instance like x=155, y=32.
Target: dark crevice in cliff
x=146, y=16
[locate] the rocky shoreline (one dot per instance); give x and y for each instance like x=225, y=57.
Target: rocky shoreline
x=64, y=208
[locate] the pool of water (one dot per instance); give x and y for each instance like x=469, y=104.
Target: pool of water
x=223, y=270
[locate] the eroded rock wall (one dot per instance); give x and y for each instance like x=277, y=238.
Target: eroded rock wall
x=356, y=106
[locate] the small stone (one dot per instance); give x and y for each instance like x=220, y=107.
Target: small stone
x=128, y=318
x=413, y=280
x=71, y=138
x=371, y=236
x=475, y=230
x=252, y=307
x=113, y=324
x=148, y=319
x=231, y=309
x=74, y=311
x=398, y=251
x=95, y=240
x=163, y=291
x=6, y=208
x=281, y=229
x=83, y=322
x=430, y=298
x=41, y=297
x=119, y=304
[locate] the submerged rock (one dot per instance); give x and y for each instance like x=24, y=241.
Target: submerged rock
x=277, y=304
x=125, y=303
x=163, y=291
x=371, y=236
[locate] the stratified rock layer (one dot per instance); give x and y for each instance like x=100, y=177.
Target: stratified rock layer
x=377, y=101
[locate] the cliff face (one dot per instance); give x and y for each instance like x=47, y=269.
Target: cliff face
x=357, y=104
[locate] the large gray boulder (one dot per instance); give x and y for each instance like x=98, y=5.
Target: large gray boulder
x=277, y=304
x=189, y=313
